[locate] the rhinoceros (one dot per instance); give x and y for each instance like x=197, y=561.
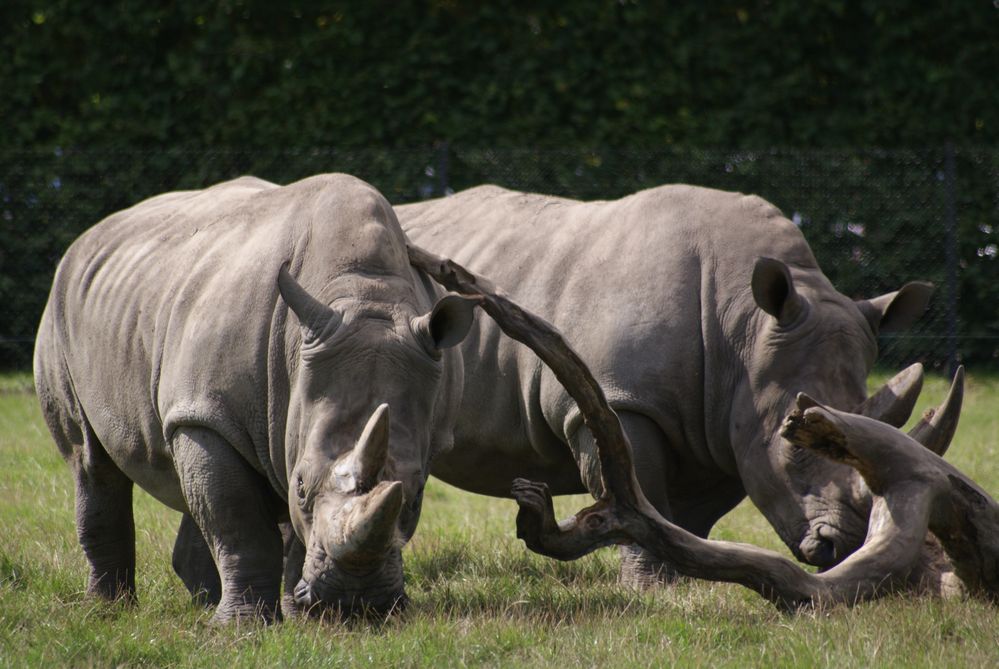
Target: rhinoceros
x=702, y=313
x=237, y=352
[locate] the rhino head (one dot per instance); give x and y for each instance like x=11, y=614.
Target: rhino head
x=366, y=410
x=808, y=337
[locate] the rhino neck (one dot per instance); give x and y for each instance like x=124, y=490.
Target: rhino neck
x=759, y=397
x=451, y=387
x=282, y=374
x=725, y=377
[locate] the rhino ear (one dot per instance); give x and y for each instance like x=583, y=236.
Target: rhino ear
x=447, y=323
x=774, y=291
x=317, y=319
x=899, y=310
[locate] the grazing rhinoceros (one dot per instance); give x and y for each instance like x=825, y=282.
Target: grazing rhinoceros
x=702, y=313
x=167, y=357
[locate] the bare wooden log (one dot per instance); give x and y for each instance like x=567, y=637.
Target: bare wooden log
x=914, y=489
x=900, y=517
x=916, y=481
x=614, y=450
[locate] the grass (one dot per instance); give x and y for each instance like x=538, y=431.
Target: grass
x=478, y=597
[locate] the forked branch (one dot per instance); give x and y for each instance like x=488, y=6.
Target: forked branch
x=914, y=489
x=541, y=337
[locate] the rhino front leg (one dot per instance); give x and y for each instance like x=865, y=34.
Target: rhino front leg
x=639, y=568
x=236, y=513
x=104, y=522
x=193, y=562
x=294, y=561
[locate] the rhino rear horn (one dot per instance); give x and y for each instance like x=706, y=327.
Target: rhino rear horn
x=371, y=451
x=936, y=428
x=894, y=401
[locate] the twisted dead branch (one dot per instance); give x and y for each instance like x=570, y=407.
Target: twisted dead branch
x=914, y=489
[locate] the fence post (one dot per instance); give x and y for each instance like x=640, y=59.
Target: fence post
x=951, y=255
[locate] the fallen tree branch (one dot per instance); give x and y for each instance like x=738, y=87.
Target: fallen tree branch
x=914, y=489
x=554, y=351
x=918, y=489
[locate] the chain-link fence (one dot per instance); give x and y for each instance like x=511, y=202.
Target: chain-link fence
x=874, y=219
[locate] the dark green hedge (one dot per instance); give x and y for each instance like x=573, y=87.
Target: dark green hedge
x=264, y=74
x=106, y=103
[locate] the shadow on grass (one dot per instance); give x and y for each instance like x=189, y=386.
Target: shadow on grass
x=435, y=562
x=459, y=580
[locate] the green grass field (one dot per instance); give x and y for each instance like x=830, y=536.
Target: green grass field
x=478, y=596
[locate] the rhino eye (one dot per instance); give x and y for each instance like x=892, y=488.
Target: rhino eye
x=300, y=488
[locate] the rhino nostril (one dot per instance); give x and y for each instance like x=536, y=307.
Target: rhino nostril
x=819, y=550
x=826, y=553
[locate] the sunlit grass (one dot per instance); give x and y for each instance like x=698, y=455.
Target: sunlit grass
x=478, y=596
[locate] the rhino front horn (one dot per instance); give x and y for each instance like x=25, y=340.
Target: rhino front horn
x=371, y=450
x=370, y=529
x=894, y=401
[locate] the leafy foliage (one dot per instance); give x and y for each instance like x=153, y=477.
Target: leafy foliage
x=107, y=103
x=254, y=74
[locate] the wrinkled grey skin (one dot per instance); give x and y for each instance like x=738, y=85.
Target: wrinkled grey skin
x=252, y=355
x=701, y=314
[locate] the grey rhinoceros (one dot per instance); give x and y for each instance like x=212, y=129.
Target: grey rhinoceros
x=167, y=357
x=702, y=313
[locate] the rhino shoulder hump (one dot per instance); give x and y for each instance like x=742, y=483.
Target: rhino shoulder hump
x=486, y=190
x=334, y=195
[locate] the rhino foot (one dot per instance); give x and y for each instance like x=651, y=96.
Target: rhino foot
x=640, y=570
x=250, y=609
x=933, y=574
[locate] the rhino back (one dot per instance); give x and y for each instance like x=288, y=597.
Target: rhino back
x=652, y=290
x=166, y=314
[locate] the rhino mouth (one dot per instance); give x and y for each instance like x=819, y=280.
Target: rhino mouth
x=353, y=562
x=825, y=544
x=342, y=591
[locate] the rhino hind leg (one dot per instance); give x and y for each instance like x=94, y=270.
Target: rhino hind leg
x=104, y=521
x=193, y=563
x=237, y=514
